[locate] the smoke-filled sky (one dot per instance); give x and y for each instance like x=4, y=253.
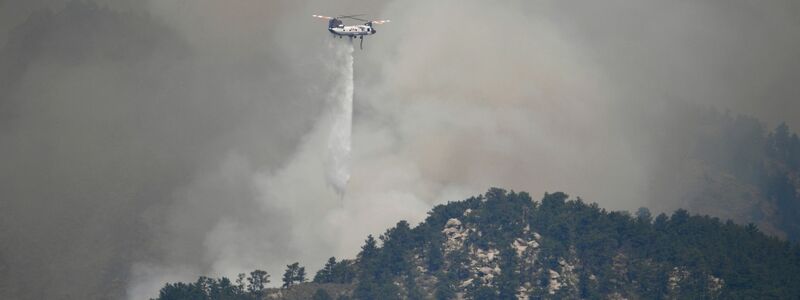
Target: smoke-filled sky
x=147, y=141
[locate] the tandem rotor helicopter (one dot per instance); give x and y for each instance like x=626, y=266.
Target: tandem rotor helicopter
x=337, y=27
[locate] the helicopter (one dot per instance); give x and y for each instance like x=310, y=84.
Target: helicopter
x=337, y=27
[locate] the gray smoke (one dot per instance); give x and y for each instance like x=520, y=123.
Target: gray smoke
x=191, y=138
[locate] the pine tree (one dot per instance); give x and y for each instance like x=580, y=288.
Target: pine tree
x=342, y=272
x=370, y=248
x=257, y=280
x=325, y=275
x=290, y=276
x=240, y=285
x=300, y=276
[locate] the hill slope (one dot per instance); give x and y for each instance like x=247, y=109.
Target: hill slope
x=732, y=168
x=504, y=245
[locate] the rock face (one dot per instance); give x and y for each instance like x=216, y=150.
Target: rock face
x=455, y=235
x=506, y=246
x=483, y=264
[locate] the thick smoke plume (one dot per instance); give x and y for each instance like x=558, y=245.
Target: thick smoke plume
x=154, y=141
x=306, y=192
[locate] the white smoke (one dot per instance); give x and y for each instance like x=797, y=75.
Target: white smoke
x=307, y=192
x=337, y=161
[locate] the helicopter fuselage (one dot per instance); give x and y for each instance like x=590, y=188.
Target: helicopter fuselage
x=352, y=31
x=338, y=29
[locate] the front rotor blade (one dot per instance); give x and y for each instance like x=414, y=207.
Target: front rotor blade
x=322, y=17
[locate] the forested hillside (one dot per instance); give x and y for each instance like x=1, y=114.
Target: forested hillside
x=733, y=167
x=504, y=245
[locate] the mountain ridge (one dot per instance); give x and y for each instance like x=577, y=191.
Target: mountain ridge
x=504, y=245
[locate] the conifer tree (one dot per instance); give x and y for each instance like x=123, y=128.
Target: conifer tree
x=325, y=275
x=257, y=281
x=294, y=274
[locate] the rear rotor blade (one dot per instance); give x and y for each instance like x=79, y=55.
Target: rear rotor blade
x=350, y=16
x=322, y=17
x=354, y=18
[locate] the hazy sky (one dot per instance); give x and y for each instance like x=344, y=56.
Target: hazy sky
x=172, y=138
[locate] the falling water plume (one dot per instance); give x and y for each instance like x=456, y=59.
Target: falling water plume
x=337, y=160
